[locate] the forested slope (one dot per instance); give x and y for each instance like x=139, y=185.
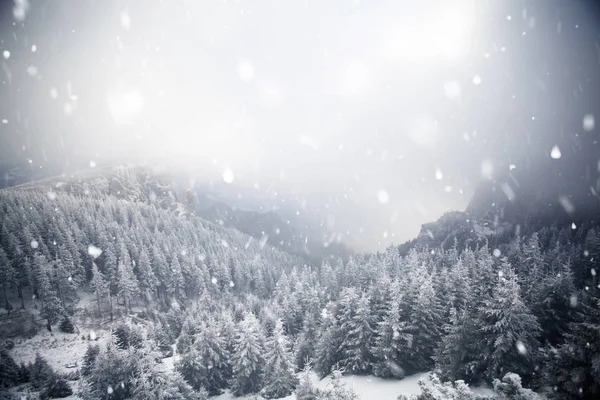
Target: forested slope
x=245, y=316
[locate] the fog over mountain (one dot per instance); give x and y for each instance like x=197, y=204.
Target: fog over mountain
x=374, y=117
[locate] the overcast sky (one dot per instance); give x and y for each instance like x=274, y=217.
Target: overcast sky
x=380, y=115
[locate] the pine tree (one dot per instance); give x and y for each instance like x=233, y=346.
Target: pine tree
x=392, y=342
x=326, y=350
x=305, y=345
x=425, y=323
x=552, y=304
x=336, y=389
x=100, y=286
x=451, y=355
x=147, y=279
x=51, y=305
x=7, y=277
x=206, y=363
x=9, y=370
x=510, y=330
x=175, y=284
x=534, y=269
x=89, y=359
x=127, y=287
x=575, y=367
x=110, y=376
x=280, y=380
x=355, y=350
x=305, y=389
x=247, y=358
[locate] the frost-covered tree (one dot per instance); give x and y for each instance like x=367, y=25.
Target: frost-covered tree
x=326, y=349
x=425, y=323
x=510, y=388
x=100, y=286
x=510, y=330
x=127, y=286
x=279, y=377
x=451, y=355
x=356, y=348
x=575, y=366
x=306, y=342
x=337, y=390
x=247, y=359
x=7, y=277
x=205, y=364
x=146, y=277
x=392, y=342
x=306, y=390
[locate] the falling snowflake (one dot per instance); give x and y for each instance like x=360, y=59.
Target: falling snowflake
x=227, y=175
x=231, y=284
x=20, y=9
x=51, y=195
x=452, y=89
x=246, y=70
x=573, y=226
x=566, y=204
x=555, y=153
x=125, y=21
x=34, y=244
x=94, y=251
x=382, y=196
x=214, y=280
x=521, y=347
x=497, y=253
x=33, y=48
x=6, y=54
x=487, y=169
x=573, y=300
x=263, y=240
x=438, y=174
x=92, y=335
x=32, y=70
x=92, y=164
x=588, y=122
x=477, y=80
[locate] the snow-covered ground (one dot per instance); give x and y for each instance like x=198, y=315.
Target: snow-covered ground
x=59, y=349
x=370, y=387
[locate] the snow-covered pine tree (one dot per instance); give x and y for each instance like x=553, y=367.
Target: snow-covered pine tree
x=306, y=342
x=147, y=279
x=7, y=277
x=450, y=358
x=205, y=364
x=51, y=305
x=425, y=323
x=305, y=389
x=100, y=286
x=127, y=286
x=356, y=348
x=510, y=329
x=326, y=349
x=247, y=359
x=575, y=366
x=279, y=377
x=391, y=342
